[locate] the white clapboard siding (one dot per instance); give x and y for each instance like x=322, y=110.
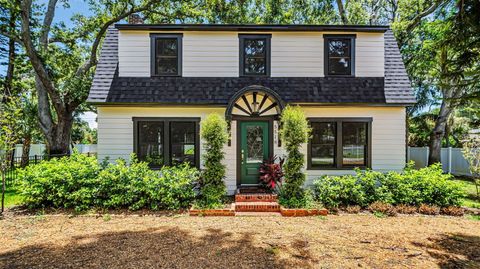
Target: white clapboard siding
x=216, y=54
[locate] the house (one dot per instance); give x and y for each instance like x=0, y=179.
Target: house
x=154, y=84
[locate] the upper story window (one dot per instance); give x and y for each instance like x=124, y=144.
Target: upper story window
x=166, y=58
x=339, y=55
x=254, y=55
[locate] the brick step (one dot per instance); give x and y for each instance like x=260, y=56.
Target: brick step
x=257, y=207
x=256, y=197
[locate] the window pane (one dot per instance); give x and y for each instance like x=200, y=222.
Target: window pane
x=255, y=56
x=150, y=143
x=354, y=143
x=254, y=144
x=182, y=141
x=339, y=47
x=339, y=66
x=323, y=144
x=166, y=58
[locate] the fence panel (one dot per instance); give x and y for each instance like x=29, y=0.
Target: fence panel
x=452, y=160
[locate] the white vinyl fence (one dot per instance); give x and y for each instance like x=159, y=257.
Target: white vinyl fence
x=39, y=149
x=452, y=160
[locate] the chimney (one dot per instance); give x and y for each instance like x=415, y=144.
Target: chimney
x=135, y=19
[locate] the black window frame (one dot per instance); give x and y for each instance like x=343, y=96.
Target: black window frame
x=153, y=52
x=326, y=61
x=268, y=41
x=166, y=136
x=338, y=158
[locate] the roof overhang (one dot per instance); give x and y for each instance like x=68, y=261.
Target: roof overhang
x=254, y=27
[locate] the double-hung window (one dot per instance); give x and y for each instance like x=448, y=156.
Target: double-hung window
x=339, y=55
x=339, y=143
x=167, y=141
x=254, y=55
x=166, y=54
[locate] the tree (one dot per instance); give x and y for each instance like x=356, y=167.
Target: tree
x=62, y=86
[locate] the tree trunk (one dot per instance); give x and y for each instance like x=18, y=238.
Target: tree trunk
x=3, y=190
x=438, y=133
x=27, y=140
x=58, y=139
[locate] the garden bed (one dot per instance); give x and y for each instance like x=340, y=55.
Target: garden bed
x=227, y=211
x=302, y=212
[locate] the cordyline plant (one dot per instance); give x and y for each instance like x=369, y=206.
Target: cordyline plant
x=471, y=152
x=271, y=173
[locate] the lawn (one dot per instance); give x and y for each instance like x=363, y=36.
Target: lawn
x=12, y=198
x=180, y=241
x=471, y=199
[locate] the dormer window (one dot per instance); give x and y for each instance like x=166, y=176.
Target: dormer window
x=254, y=55
x=339, y=55
x=166, y=58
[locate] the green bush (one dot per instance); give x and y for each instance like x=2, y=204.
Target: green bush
x=412, y=187
x=294, y=132
x=212, y=186
x=79, y=182
x=68, y=182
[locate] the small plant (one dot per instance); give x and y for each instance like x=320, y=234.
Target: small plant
x=212, y=187
x=271, y=173
x=353, y=209
x=383, y=208
x=428, y=209
x=379, y=215
x=474, y=217
x=406, y=209
x=107, y=217
x=452, y=211
x=294, y=132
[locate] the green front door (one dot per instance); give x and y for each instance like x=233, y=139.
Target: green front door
x=254, y=148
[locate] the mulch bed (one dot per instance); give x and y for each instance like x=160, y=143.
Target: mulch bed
x=180, y=241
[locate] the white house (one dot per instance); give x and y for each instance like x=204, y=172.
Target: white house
x=156, y=82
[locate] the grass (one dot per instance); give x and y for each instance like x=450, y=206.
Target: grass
x=471, y=199
x=12, y=198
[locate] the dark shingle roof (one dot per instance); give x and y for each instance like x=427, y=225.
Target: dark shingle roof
x=107, y=87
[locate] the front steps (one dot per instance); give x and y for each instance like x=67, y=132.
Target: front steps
x=260, y=202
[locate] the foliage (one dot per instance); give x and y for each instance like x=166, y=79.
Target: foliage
x=471, y=152
x=212, y=186
x=294, y=132
x=412, y=187
x=79, y=182
x=428, y=209
x=380, y=207
x=271, y=173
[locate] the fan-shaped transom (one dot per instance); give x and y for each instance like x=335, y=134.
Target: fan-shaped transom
x=256, y=104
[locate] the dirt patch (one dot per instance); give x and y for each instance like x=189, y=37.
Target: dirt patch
x=180, y=241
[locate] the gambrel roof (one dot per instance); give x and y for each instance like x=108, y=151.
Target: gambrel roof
x=109, y=88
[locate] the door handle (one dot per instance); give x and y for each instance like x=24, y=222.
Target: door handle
x=242, y=156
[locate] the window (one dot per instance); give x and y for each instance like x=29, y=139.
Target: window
x=167, y=141
x=342, y=143
x=166, y=54
x=254, y=55
x=339, y=55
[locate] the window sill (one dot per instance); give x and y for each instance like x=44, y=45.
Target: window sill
x=351, y=168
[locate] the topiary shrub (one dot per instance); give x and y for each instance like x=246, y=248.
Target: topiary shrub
x=212, y=186
x=294, y=132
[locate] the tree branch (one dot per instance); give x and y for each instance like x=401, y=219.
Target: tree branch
x=47, y=23
x=341, y=11
x=422, y=15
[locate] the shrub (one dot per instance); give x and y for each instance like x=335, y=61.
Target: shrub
x=383, y=208
x=212, y=187
x=353, y=209
x=271, y=173
x=294, y=133
x=413, y=187
x=428, y=209
x=78, y=182
x=68, y=182
x=406, y=209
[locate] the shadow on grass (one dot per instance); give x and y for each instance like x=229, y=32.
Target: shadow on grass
x=454, y=250
x=153, y=248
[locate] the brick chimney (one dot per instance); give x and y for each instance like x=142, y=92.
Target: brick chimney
x=135, y=19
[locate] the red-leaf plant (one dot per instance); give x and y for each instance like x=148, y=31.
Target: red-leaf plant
x=271, y=173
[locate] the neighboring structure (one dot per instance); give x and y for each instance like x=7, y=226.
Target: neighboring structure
x=155, y=83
